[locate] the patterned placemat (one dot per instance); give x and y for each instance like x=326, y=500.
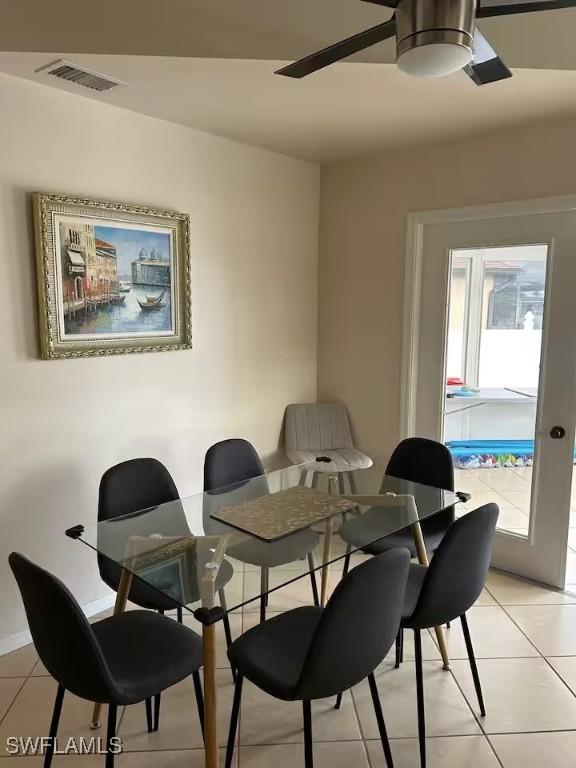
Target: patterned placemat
x=278, y=514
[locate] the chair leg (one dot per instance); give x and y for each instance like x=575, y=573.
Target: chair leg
x=149, y=722
x=346, y=566
x=111, y=733
x=303, y=476
x=234, y=720
x=420, y=697
x=315, y=479
x=263, y=593
x=399, y=644
x=380, y=720
x=311, y=566
x=54, y=725
x=352, y=482
x=338, y=701
x=308, y=747
x=179, y=614
x=473, y=667
x=157, y=711
x=227, y=629
x=199, y=699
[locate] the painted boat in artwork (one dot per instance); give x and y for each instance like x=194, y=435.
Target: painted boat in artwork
x=152, y=302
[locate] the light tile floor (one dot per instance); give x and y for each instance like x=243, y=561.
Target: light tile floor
x=510, y=489
x=525, y=638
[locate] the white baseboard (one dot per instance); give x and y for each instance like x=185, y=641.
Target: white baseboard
x=13, y=642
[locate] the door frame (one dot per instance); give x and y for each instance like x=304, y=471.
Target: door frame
x=416, y=223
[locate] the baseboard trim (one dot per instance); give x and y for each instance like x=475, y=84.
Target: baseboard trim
x=13, y=642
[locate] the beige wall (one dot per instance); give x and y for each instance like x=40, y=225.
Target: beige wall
x=254, y=220
x=364, y=205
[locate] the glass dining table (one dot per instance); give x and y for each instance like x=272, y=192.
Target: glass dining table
x=195, y=550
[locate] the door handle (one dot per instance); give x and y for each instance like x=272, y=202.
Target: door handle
x=557, y=433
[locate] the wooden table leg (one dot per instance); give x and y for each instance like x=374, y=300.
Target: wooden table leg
x=210, y=706
x=119, y=607
x=423, y=560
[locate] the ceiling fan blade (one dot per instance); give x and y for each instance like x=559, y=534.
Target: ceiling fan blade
x=488, y=8
x=487, y=66
x=340, y=50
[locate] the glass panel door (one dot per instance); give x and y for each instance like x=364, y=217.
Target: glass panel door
x=495, y=324
x=495, y=375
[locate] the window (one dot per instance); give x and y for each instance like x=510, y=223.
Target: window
x=516, y=298
x=496, y=309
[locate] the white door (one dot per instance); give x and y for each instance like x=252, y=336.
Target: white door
x=496, y=309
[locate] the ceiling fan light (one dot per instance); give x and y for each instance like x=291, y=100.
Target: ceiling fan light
x=434, y=59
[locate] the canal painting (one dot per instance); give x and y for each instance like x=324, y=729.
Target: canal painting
x=115, y=280
x=112, y=277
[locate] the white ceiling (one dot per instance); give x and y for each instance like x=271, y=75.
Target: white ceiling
x=210, y=65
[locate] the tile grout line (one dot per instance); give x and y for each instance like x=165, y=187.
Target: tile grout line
x=359, y=723
x=542, y=656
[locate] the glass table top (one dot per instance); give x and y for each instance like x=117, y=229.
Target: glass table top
x=182, y=552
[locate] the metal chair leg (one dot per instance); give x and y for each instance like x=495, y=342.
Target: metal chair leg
x=111, y=733
x=473, y=667
x=54, y=725
x=149, y=723
x=399, y=644
x=308, y=747
x=380, y=720
x=263, y=593
x=420, y=697
x=338, y=701
x=346, y=566
x=234, y=720
x=227, y=629
x=157, y=711
x=179, y=614
x=352, y=482
x=199, y=699
x=311, y=566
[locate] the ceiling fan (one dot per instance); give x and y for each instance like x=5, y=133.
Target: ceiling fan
x=433, y=38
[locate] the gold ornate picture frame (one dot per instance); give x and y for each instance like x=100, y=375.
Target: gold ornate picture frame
x=112, y=277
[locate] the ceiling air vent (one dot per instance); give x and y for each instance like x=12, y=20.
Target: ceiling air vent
x=66, y=70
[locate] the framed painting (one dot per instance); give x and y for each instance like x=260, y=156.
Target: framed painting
x=112, y=277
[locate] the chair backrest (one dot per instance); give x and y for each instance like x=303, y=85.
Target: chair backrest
x=428, y=462
x=133, y=486
x=228, y=467
x=422, y=461
x=457, y=573
x=358, y=626
x=61, y=633
x=230, y=462
x=317, y=426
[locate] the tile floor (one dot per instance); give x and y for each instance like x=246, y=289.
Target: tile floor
x=510, y=489
x=525, y=639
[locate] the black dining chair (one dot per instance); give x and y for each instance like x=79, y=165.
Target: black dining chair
x=234, y=466
x=446, y=590
x=117, y=661
x=417, y=460
x=312, y=653
x=133, y=486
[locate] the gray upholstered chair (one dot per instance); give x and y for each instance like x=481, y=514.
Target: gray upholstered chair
x=322, y=431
